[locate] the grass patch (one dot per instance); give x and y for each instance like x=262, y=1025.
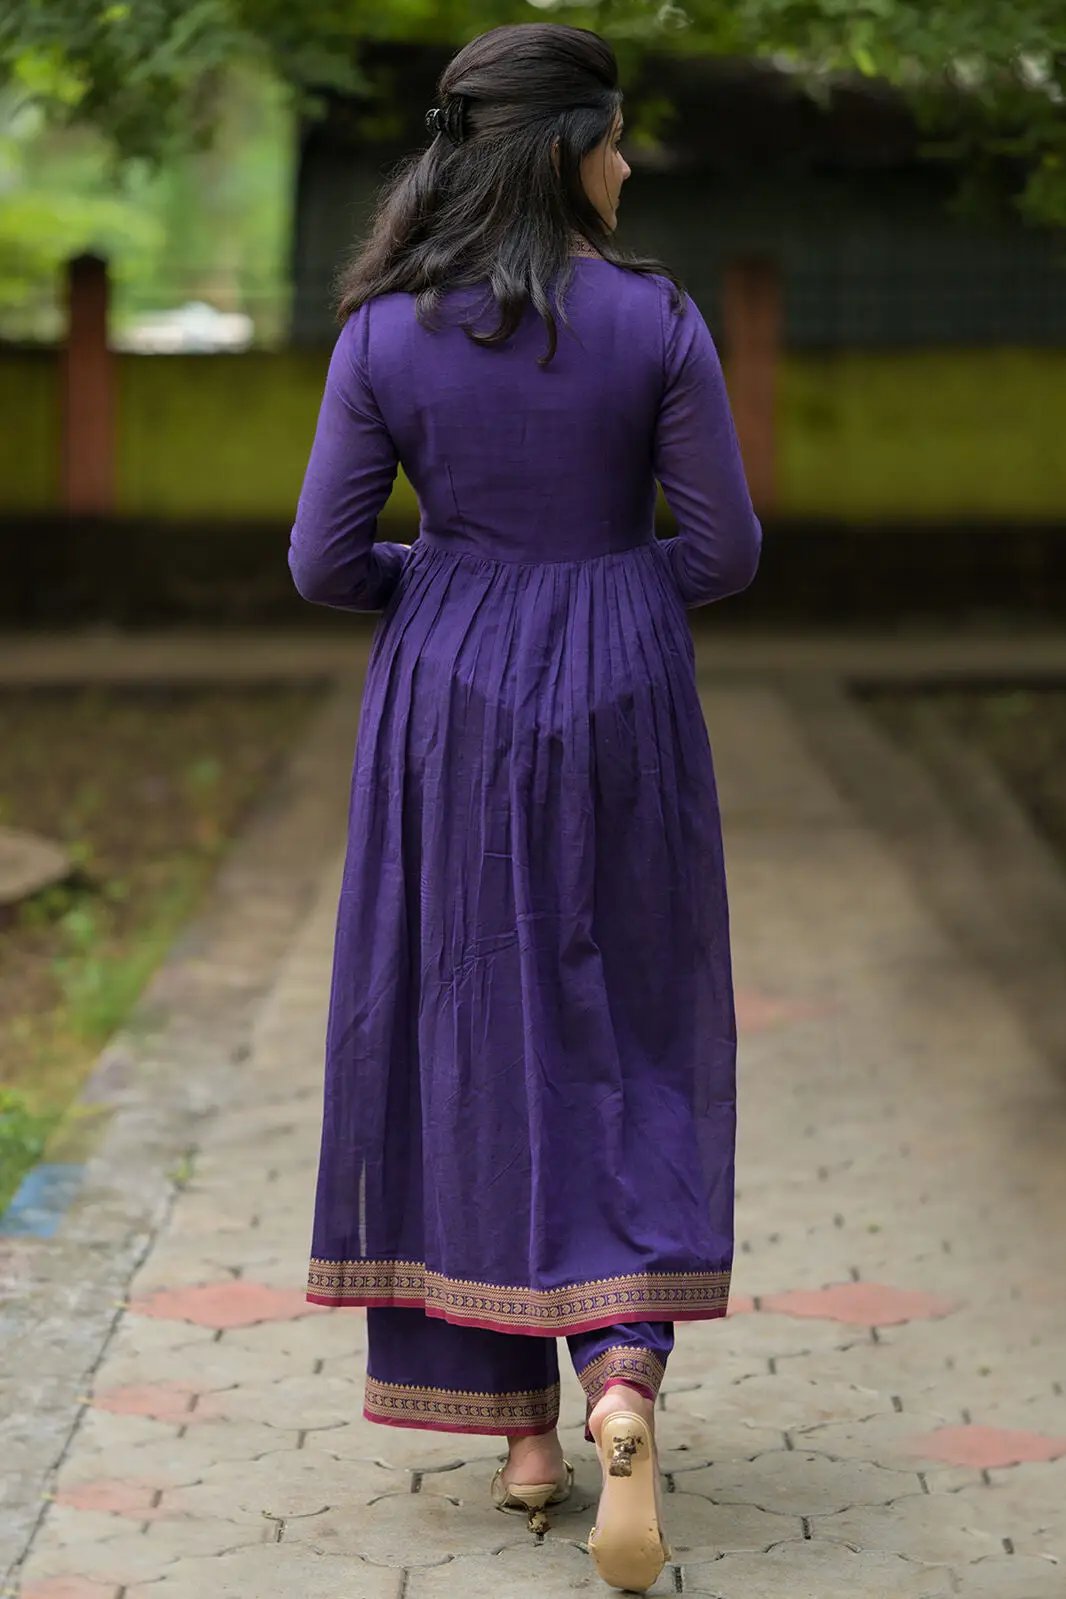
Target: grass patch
x=1020, y=729
x=146, y=789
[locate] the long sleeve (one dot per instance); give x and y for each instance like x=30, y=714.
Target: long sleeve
x=716, y=549
x=332, y=554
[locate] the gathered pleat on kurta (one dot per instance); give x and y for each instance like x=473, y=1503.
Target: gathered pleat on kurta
x=529, y=1113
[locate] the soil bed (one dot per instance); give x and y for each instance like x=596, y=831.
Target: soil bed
x=146, y=788
x=1021, y=729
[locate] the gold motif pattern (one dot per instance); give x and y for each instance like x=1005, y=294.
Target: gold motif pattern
x=621, y=1361
x=453, y=1410
x=644, y=1296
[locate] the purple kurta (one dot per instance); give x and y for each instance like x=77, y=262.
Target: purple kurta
x=530, y=1067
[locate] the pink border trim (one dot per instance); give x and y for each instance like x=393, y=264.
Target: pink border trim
x=627, y=1382
x=555, y=1330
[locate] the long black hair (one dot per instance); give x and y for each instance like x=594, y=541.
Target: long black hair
x=485, y=201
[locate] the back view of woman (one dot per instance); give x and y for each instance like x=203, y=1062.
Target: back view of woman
x=530, y=1078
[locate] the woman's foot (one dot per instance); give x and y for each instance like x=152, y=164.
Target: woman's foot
x=627, y=1544
x=536, y=1459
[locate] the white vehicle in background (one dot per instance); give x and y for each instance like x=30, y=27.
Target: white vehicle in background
x=193, y=328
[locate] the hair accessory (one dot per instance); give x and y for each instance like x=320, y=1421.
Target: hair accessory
x=447, y=118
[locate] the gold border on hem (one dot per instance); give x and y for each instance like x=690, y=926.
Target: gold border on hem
x=643, y=1296
x=621, y=1360
x=450, y=1407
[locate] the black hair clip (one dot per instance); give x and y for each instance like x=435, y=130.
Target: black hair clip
x=447, y=118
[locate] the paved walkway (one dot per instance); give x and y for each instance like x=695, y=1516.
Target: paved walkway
x=883, y=1412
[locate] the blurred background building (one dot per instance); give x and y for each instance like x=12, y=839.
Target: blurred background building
x=894, y=338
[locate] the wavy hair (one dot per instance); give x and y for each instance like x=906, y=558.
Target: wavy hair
x=485, y=201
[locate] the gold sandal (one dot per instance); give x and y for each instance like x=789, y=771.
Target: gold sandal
x=627, y=1545
x=530, y=1498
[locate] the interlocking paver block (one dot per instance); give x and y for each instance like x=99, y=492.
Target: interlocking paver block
x=409, y=1530
x=861, y=1304
x=936, y=1528
x=759, y=1011
x=1014, y=1577
x=985, y=1447
x=298, y=1403
x=889, y=1167
x=114, y=1496
x=68, y=1588
x=272, y=1572
x=553, y=1571
x=406, y=1447
x=163, y=1401
x=797, y=1483
x=814, y=1569
x=784, y=1402
x=224, y=1304
x=285, y=1485
x=142, y=1557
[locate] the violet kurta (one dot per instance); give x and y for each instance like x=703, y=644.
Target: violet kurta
x=529, y=1113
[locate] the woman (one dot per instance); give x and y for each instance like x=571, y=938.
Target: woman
x=529, y=1104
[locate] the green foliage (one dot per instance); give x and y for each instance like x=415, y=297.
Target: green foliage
x=206, y=223
x=24, y=1133
x=986, y=76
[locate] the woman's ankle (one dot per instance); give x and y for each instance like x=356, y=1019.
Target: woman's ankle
x=542, y=1451
x=620, y=1397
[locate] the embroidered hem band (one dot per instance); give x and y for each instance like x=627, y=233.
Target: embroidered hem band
x=647, y=1296
x=637, y=1367
x=448, y=1410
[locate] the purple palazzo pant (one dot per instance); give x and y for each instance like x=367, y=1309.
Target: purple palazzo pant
x=424, y=1372
x=529, y=1111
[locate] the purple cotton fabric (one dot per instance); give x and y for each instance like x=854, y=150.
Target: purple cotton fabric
x=424, y=1372
x=531, y=1043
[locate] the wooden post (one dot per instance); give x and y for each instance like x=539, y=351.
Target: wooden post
x=752, y=314
x=88, y=390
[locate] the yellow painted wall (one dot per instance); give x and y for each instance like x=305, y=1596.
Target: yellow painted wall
x=863, y=435
x=29, y=430
x=926, y=433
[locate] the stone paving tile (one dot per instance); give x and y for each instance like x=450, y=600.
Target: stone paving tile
x=409, y=1530
x=161, y=1401
x=862, y=1304
x=940, y=1529
x=811, y=1569
x=225, y=1412
x=883, y=1439
x=134, y=1557
x=69, y=1588
x=397, y=1447
x=333, y=1335
x=984, y=1447
x=284, y=1486
x=275, y=1572
x=295, y=1403
x=224, y=1304
x=553, y=1571
x=796, y=1483
x=783, y=1401
x=912, y=1371
x=1016, y=1577
x=685, y=1437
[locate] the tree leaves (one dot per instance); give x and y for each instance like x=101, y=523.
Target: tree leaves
x=138, y=71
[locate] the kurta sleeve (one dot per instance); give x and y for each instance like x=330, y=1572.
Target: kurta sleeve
x=716, y=549
x=332, y=554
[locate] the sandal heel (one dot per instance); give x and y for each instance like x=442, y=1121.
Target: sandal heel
x=627, y=1545
x=532, y=1498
